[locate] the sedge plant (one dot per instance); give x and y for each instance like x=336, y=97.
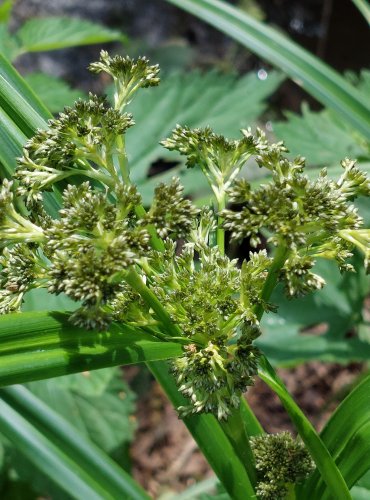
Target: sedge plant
x=164, y=268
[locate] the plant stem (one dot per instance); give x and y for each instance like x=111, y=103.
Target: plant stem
x=234, y=428
x=280, y=257
x=136, y=282
x=320, y=454
x=220, y=233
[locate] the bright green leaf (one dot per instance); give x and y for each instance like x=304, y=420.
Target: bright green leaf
x=224, y=102
x=40, y=345
x=51, y=33
x=54, y=92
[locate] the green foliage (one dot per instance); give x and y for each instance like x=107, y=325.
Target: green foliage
x=55, y=92
x=323, y=137
x=184, y=296
x=98, y=404
x=320, y=80
x=51, y=33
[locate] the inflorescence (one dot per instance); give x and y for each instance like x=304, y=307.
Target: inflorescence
x=113, y=257
x=281, y=462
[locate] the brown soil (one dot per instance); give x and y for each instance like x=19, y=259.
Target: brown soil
x=166, y=458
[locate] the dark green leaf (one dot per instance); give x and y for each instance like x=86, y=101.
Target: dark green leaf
x=52, y=33
x=315, y=76
x=54, y=92
x=223, y=102
x=338, y=306
x=347, y=437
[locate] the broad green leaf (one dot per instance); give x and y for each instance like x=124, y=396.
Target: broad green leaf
x=320, y=137
x=362, y=489
x=8, y=43
x=308, y=71
x=97, y=403
x=338, y=305
x=224, y=102
x=57, y=449
x=51, y=33
x=54, y=92
x=212, y=441
x=41, y=345
x=347, y=437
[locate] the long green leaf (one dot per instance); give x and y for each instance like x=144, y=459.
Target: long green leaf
x=304, y=68
x=21, y=113
x=347, y=437
x=211, y=439
x=364, y=7
x=40, y=345
x=60, y=451
x=320, y=454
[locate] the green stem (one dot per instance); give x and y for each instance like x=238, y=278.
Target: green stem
x=136, y=282
x=220, y=233
x=235, y=429
x=320, y=454
x=280, y=257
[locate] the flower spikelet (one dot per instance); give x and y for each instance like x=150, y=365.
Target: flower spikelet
x=280, y=461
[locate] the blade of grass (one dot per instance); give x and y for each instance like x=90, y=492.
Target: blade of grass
x=95, y=468
x=316, y=77
x=39, y=345
x=364, y=7
x=320, y=454
x=211, y=439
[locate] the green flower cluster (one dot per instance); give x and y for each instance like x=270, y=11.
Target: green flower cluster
x=281, y=461
x=203, y=297
x=312, y=218
x=163, y=268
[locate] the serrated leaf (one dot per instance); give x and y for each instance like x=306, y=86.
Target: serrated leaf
x=51, y=33
x=338, y=305
x=54, y=92
x=8, y=43
x=319, y=79
x=98, y=404
x=224, y=102
x=320, y=137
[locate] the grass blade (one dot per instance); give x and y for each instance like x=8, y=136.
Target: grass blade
x=212, y=441
x=347, y=437
x=317, y=78
x=60, y=451
x=320, y=454
x=39, y=345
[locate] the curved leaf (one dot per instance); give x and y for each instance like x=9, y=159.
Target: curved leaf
x=40, y=345
x=347, y=437
x=62, y=453
x=211, y=439
x=321, y=81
